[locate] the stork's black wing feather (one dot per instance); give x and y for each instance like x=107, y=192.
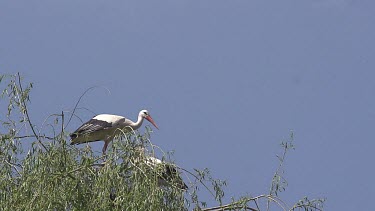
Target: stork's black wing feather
x=171, y=174
x=92, y=125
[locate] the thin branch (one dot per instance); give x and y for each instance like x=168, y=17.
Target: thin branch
x=286, y=147
x=256, y=204
x=304, y=206
x=45, y=120
x=235, y=205
x=31, y=136
x=14, y=166
x=62, y=124
x=196, y=177
x=229, y=207
x=27, y=114
x=79, y=100
x=76, y=115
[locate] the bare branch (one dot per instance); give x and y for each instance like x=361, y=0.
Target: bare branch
x=79, y=100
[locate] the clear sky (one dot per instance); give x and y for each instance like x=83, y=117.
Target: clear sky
x=224, y=80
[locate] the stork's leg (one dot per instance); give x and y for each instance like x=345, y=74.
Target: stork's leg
x=106, y=142
x=104, y=150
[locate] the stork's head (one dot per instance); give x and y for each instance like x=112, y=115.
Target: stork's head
x=146, y=115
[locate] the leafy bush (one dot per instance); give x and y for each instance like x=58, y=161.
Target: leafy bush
x=49, y=174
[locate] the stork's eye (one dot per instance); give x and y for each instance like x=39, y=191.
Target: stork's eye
x=145, y=113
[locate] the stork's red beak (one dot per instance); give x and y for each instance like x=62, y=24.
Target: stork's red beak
x=152, y=121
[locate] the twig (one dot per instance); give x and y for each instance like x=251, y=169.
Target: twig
x=45, y=120
x=27, y=114
x=31, y=136
x=235, y=205
x=62, y=124
x=14, y=166
x=229, y=207
x=196, y=177
x=256, y=204
x=79, y=100
x=279, y=168
x=304, y=206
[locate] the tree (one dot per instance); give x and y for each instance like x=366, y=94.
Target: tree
x=49, y=174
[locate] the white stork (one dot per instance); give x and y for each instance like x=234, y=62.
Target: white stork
x=105, y=127
x=168, y=176
x=168, y=173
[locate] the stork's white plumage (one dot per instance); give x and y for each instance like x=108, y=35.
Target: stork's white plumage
x=168, y=173
x=106, y=126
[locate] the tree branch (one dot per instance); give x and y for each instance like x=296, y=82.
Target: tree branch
x=27, y=114
x=32, y=136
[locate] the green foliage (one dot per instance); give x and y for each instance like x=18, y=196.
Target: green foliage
x=51, y=175
x=279, y=183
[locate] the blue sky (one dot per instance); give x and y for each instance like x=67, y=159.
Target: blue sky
x=224, y=80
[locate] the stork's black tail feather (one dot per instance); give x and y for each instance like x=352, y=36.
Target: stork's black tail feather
x=73, y=136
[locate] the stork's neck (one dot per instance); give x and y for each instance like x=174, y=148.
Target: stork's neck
x=136, y=125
